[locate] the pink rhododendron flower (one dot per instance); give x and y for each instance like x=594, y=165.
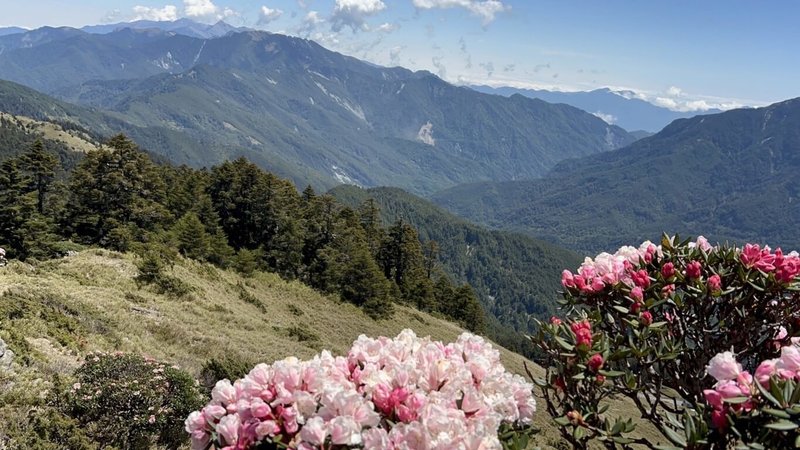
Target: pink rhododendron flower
x=714, y=283
x=555, y=321
x=595, y=362
x=765, y=371
x=228, y=429
x=667, y=290
x=693, y=270
x=641, y=278
x=723, y=367
x=567, y=279
x=646, y=318
x=636, y=294
x=753, y=256
x=702, y=244
x=668, y=270
x=583, y=333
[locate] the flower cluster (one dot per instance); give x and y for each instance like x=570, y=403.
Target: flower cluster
x=402, y=393
x=607, y=270
x=785, y=267
x=735, y=383
x=644, y=321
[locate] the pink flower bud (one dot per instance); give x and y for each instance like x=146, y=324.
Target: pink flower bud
x=693, y=270
x=646, y=318
x=555, y=321
x=637, y=294
x=668, y=270
x=641, y=278
x=595, y=362
x=714, y=283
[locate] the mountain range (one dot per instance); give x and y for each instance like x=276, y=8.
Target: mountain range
x=729, y=176
x=621, y=108
x=300, y=110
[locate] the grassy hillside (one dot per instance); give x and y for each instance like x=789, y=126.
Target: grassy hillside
x=52, y=313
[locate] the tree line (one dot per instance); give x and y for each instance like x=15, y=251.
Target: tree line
x=233, y=215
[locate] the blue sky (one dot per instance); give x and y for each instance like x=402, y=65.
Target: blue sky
x=687, y=55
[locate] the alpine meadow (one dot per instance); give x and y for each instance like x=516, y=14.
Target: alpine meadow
x=399, y=225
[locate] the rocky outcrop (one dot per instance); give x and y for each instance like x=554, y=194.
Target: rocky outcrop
x=6, y=356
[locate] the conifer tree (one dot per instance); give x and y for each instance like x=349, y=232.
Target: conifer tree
x=370, y=216
x=115, y=191
x=402, y=261
x=191, y=237
x=41, y=168
x=12, y=208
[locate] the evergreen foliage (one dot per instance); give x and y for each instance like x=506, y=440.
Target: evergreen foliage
x=233, y=214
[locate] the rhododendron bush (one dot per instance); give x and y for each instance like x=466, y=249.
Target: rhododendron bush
x=698, y=338
x=402, y=393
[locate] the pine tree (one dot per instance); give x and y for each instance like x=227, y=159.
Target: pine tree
x=41, y=168
x=12, y=207
x=402, y=261
x=115, y=191
x=191, y=237
x=370, y=216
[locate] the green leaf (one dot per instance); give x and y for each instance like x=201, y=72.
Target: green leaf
x=767, y=394
x=561, y=421
x=736, y=400
x=564, y=344
x=611, y=373
x=781, y=425
x=621, y=309
x=777, y=413
x=676, y=438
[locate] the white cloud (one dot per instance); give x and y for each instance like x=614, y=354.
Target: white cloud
x=310, y=27
x=607, y=118
x=485, y=9
x=353, y=13
x=387, y=27
x=267, y=15
x=167, y=13
x=205, y=9
x=676, y=99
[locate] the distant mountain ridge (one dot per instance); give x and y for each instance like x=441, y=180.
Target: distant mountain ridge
x=628, y=112
x=302, y=111
x=184, y=27
x=11, y=30
x=727, y=176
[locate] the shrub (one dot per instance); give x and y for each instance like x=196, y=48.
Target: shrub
x=646, y=323
x=152, y=271
x=128, y=401
x=228, y=367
